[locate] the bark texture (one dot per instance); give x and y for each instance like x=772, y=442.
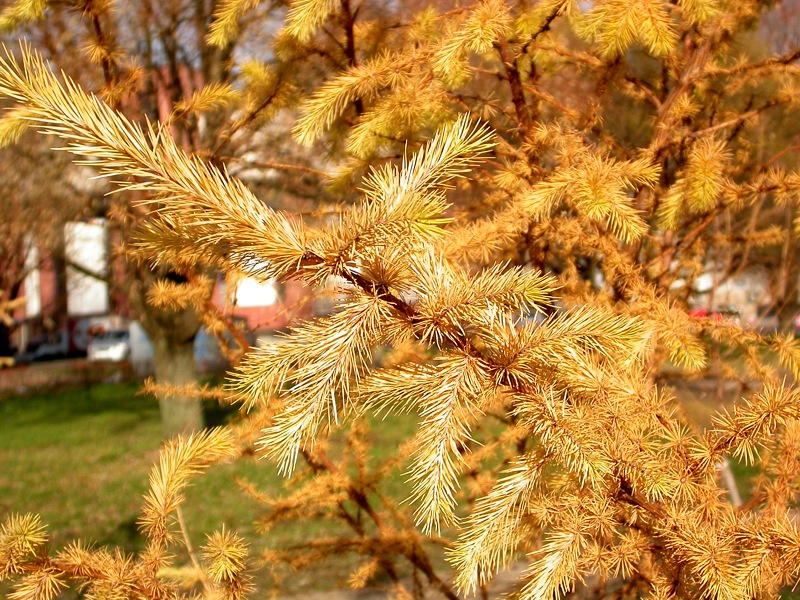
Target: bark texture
x=174, y=367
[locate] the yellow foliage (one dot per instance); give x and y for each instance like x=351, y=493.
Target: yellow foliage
x=618, y=24
x=226, y=21
x=541, y=188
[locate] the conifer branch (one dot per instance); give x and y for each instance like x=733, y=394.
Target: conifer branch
x=180, y=460
x=202, y=198
x=226, y=20
x=338, y=346
x=493, y=531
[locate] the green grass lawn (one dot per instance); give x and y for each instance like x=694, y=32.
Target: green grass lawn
x=81, y=458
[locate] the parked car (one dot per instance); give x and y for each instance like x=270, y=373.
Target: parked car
x=51, y=346
x=113, y=345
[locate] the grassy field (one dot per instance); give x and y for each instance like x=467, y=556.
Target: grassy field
x=81, y=458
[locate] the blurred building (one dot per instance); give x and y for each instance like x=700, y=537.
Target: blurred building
x=76, y=293
x=67, y=292
x=745, y=292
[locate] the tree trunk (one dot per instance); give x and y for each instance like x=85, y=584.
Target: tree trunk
x=174, y=367
x=172, y=333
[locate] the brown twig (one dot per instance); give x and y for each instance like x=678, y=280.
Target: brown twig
x=190, y=549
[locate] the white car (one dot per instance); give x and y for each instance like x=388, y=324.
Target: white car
x=112, y=346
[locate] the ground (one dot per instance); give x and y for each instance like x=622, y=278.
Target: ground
x=80, y=458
